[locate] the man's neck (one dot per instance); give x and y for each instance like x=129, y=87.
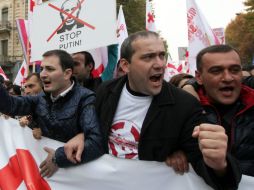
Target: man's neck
x=134, y=93
x=62, y=90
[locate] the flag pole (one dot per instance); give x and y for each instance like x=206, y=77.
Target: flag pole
x=27, y=56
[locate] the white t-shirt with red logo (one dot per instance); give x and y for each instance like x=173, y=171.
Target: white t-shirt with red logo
x=127, y=123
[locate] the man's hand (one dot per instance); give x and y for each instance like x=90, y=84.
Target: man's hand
x=213, y=145
x=178, y=162
x=48, y=167
x=37, y=133
x=6, y=116
x=73, y=148
x=23, y=121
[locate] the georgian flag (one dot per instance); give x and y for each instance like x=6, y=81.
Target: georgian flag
x=21, y=75
x=150, y=16
x=172, y=68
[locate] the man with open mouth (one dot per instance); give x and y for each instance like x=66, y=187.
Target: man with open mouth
x=226, y=100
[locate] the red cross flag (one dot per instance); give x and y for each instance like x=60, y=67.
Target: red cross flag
x=74, y=25
x=150, y=16
x=172, y=68
x=3, y=74
x=21, y=75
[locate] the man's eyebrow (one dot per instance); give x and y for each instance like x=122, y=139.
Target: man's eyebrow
x=48, y=66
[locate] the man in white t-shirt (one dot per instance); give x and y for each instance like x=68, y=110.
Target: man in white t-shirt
x=145, y=118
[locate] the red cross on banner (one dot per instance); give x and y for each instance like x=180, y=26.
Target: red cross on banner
x=150, y=17
x=20, y=168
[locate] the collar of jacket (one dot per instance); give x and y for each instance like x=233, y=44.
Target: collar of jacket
x=46, y=95
x=246, y=97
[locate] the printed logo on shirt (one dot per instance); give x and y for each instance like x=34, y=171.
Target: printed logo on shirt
x=123, y=139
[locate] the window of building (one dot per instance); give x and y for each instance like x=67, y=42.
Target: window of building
x=5, y=16
x=4, y=47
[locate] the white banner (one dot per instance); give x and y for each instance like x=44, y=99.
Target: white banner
x=72, y=25
x=200, y=34
x=21, y=154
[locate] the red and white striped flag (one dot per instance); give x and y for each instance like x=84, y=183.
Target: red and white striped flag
x=2, y=73
x=22, y=26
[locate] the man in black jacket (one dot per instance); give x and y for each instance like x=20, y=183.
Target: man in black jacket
x=227, y=101
x=145, y=118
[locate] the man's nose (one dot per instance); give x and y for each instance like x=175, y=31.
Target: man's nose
x=227, y=76
x=160, y=64
x=43, y=74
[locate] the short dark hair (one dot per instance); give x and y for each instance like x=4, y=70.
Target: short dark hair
x=213, y=49
x=88, y=58
x=16, y=89
x=176, y=79
x=247, y=67
x=37, y=75
x=65, y=58
x=127, y=50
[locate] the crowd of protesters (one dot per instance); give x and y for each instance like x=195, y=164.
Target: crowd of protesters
x=213, y=131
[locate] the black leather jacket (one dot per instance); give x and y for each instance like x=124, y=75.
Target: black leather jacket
x=240, y=124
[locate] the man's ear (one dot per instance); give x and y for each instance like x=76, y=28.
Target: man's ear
x=198, y=77
x=90, y=67
x=124, y=64
x=67, y=73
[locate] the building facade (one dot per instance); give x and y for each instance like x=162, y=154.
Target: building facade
x=11, y=55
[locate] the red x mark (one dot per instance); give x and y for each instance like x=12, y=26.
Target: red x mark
x=150, y=17
x=68, y=16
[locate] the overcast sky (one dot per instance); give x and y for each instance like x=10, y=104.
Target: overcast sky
x=171, y=18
